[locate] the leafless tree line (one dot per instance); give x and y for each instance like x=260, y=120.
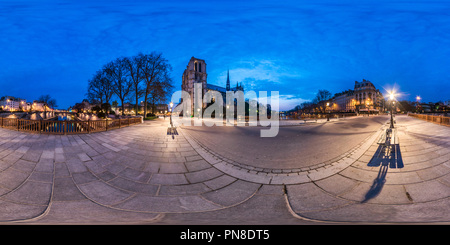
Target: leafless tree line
x=144, y=76
x=318, y=103
x=48, y=100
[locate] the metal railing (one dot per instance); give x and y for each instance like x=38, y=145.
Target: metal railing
x=431, y=118
x=66, y=127
x=317, y=116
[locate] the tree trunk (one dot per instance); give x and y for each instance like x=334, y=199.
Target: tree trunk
x=145, y=104
x=153, y=105
x=123, y=108
x=137, y=100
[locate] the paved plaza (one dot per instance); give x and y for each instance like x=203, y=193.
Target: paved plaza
x=311, y=173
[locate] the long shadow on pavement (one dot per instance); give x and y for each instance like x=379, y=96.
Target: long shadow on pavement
x=385, y=157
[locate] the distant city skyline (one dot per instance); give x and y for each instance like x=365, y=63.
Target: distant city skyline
x=294, y=47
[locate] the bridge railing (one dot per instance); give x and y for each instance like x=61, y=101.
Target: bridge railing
x=66, y=127
x=442, y=120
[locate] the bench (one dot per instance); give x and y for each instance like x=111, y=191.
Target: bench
x=382, y=140
x=394, y=137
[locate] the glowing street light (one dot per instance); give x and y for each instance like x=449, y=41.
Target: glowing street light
x=418, y=101
x=328, y=111
x=391, y=95
x=170, y=109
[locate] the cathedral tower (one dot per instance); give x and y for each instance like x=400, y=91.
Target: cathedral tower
x=195, y=72
x=228, y=80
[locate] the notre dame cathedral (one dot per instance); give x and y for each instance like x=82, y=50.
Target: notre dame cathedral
x=195, y=72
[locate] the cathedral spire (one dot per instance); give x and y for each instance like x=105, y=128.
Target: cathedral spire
x=228, y=80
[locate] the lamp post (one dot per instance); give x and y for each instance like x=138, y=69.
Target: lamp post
x=328, y=111
x=391, y=98
x=368, y=108
x=418, y=101
x=170, y=110
x=228, y=120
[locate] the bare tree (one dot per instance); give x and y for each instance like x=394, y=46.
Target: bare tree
x=321, y=97
x=159, y=91
x=134, y=68
x=306, y=106
x=100, y=88
x=119, y=76
x=48, y=100
x=155, y=73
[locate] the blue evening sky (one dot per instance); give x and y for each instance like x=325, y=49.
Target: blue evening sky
x=294, y=47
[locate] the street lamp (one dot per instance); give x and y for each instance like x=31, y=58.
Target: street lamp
x=391, y=95
x=368, y=106
x=418, y=101
x=328, y=111
x=170, y=109
x=391, y=98
x=228, y=120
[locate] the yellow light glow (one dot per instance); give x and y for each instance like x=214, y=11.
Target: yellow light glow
x=391, y=95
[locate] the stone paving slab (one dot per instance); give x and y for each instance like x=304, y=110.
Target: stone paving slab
x=171, y=204
x=80, y=211
x=10, y=211
x=32, y=193
x=232, y=194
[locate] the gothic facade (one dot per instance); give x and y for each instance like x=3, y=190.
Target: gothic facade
x=195, y=73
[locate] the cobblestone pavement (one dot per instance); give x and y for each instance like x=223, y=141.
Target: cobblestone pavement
x=141, y=175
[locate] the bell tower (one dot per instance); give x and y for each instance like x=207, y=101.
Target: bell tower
x=195, y=73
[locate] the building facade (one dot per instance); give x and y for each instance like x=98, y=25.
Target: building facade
x=344, y=101
x=364, y=98
x=10, y=103
x=223, y=91
x=367, y=97
x=39, y=106
x=195, y=73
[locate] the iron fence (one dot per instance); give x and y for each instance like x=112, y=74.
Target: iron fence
x=66, y=127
